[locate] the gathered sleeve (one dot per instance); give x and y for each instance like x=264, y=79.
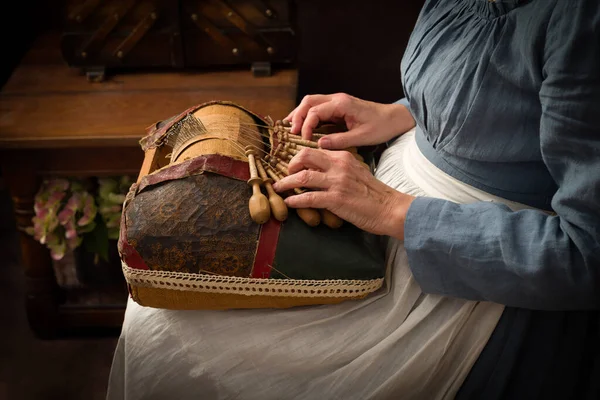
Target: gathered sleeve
x=404, y=102
x=530, y=259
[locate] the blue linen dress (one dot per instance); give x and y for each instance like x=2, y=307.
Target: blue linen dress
x=506, y=96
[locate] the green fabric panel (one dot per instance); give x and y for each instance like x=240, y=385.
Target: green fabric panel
x=324, y=253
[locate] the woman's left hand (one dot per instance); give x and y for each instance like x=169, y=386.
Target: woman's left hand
x=347, y=189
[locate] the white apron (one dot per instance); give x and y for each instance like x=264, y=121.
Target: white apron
x=397, y=344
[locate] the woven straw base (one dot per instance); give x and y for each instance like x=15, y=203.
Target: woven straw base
x=193, y=300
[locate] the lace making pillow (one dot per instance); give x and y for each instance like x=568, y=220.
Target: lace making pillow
x=188, y=240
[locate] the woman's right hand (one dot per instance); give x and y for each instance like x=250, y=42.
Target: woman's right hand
x=368, y=123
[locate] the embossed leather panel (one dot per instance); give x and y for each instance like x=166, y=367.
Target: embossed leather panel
x=196, y=224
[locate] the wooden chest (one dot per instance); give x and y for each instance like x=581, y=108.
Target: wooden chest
x=185, y=33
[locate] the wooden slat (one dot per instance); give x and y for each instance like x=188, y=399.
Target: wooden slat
x=36, y=79
x=50, y=120
x=52, y=106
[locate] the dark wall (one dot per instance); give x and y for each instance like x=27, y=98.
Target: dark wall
x=23, y=21
x=354, y=46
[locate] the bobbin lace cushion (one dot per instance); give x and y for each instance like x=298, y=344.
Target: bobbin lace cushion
x=188, y=242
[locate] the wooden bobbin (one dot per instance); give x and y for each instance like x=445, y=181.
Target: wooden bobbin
x=293, y=138
x=291, y=151
x=330, y=219
x=272, y=161
x=277, y=164
x=278, y=207
x=358, y=157
x=279, y=148
x=310, y=216
x=282, y=169
x=302, y=142
x=281, y=162
x=271, y=173
x=295, y=146
x=260, y=210
x=280, y=151
x=327, y=217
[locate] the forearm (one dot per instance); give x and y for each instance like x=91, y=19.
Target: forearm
x=485, y=251
x=401, y=118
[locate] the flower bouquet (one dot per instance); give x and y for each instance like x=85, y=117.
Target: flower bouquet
x=78, y=221
x=64, y=211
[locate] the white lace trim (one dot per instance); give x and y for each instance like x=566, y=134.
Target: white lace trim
x=250, y=286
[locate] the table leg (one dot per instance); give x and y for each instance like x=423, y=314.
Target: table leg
x=42, y=291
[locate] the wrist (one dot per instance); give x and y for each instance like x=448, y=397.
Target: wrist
x=401, y=119
x=397, y=215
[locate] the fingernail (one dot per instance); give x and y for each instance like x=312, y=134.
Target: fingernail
x=325, y=142
x=275, y=186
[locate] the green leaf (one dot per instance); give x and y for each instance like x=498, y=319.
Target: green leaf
x=113, y=233
x=96, y=241
x=87, y=228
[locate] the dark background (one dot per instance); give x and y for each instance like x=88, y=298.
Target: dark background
x=343, y=46
x=351, y=46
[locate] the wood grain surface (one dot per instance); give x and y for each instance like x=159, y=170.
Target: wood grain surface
x=50, y=105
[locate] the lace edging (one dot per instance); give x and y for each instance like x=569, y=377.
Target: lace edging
x=340, y=288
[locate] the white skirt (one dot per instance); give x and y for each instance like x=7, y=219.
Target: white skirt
x=398, y=343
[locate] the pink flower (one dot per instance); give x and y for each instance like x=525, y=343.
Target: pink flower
x=70, y=229
x=89, y=210
x=66, y=215
x=38, y=229
x=57, y=251
x=54, y=199
x=41, y=211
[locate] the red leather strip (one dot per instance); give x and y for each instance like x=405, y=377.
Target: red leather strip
x=128, y=253
x=267, y=246
x=215, y=163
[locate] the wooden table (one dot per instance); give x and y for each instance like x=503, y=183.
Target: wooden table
x=55, y=123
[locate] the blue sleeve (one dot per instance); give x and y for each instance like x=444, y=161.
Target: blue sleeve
x=529, y=259
x=404, y=102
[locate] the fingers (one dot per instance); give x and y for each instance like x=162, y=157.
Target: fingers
x=315, y=199
x=343, y=140
x=297, y=116
x=323, y=112
x=303, y=179
x=309, y=159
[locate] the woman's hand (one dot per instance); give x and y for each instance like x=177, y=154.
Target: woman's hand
x=368, y=123
x=346, y=188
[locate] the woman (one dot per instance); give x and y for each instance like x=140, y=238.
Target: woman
x=492, y=201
